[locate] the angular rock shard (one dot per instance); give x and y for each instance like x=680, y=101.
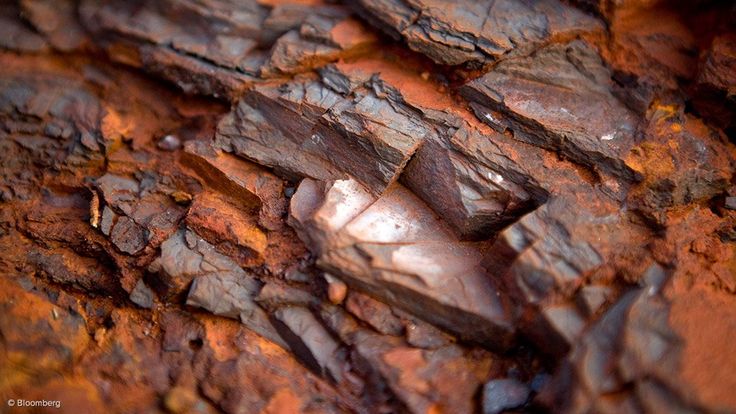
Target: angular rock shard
x=326, y=135
x=396, y=249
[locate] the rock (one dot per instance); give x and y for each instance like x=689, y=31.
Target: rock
x=185, y=256
x=730, y=203
x=55, y=118
x=57, y=335
x=142, y=295
x=308, y=339
x=398, y=251
x=468, y=31
x=128, y=236
x=715, y=82
x=328, y=136
x=184, y=400
x=474, y=189
x=141, y=217
x=507, y=187
x=222, y=40
x=232, y=294
x=697, y=170
x=594, y=297
x=320, y=39
x=228, y=228
x=57, y=21
x=71, y=268
x=169, y=143
x=16, y=35
x=336, y=289
x=108, y=218
x=378, y=315
x=541, y=109
x=423, y=335
x=423, y=380
x=503, y=394
x=560, y=326
x=246, y=183
x=274, y=295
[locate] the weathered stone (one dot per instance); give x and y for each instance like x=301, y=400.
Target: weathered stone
x=128, y=236
x=503, y=394
x=336, y=289
x=142, y=295
x=679, y=168
x=594, y=297
x=308, y=339
x=423, y=380
x=246, y=183
x=107, y=220
x=715, y=97
x=274, y=295
x=458, y=32
x=185, y=256
x=57, y=21
x=730, y=203
x=169, y=143
x=472, y=182
x=610, y=260
x=397, y=250
x=227, y=228
x=70, y=268
x=547, y=94
x=17, y=36
x=378, y=315
x=421, y=334
x=370, y=136
x=321, y=39
x=27, y=321
x=266, y=124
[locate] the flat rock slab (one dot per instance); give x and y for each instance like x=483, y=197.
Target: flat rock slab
x=456, y=32
x=558, y=98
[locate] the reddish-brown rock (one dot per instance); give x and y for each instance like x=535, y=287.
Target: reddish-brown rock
x=501, y=206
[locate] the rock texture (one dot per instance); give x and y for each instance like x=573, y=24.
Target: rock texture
x=385, y=206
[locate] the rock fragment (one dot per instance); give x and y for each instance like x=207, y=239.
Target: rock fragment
x=142, y=295
x=377, y=314
x=169, y=143
x=547, y=94
x=243, y=182
x=310, y=341
x=503, y=394
x=396, y=249
x=715, y=96
x=477, y=31
x=370, y=136
x=228, y=228
x=336, y=289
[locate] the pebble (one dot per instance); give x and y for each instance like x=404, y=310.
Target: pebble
x=169, y=143
x=336, y=289
x=181, y=197
x=731, y=203
x=503, y=394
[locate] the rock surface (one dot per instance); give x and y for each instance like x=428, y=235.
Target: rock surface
x=422, y=206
